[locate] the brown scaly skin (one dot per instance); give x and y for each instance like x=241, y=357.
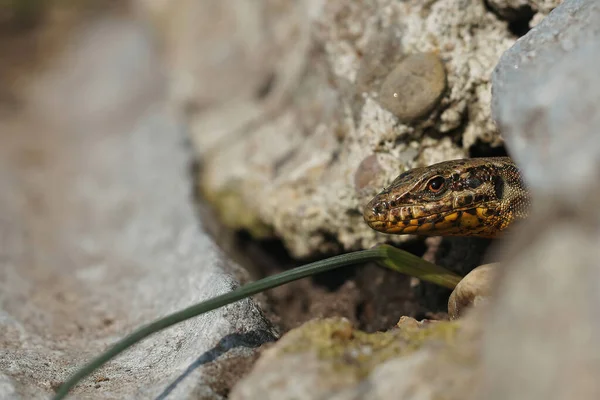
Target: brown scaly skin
x=470, y=197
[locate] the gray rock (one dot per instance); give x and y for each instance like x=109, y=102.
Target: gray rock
x=414, y=87
x=536, y=338
x=543, y=327
x=283, y=164
x=473, y=290
x=382, y=53
x=546, y=93
x=98, y=233
x=328, y=359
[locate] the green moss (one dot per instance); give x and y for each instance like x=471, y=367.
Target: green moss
x=357, y=353
x=233, y=212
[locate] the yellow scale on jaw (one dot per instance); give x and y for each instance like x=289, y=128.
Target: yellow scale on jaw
x=448, y=222
x=469, y=221
x=410, y=229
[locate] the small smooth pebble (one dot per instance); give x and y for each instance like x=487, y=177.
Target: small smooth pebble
x=414, y=87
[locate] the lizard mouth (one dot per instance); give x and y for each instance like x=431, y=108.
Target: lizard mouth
x=419, y=220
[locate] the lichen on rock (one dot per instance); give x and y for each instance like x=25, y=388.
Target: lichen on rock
x=327, y=358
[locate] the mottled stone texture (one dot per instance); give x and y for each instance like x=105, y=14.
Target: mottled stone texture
x=537, y=338
x=284, y=104
x=98, y=232
x=328, y=359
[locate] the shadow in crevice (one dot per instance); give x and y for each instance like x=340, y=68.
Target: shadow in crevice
x=252, y=339
x=459, y=255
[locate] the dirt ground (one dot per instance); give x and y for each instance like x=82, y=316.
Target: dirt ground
x=371, y=297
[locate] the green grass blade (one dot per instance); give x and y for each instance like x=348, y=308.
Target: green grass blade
x=250, y=289
x=388, y=256
x=409, y=264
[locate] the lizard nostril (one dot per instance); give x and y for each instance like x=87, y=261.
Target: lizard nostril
x=381, y=207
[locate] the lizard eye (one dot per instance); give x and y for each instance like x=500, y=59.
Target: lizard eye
x=436, y=184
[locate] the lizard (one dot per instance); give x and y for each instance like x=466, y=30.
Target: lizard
x=468, y=197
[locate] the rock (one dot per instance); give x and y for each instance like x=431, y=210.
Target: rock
x=536, y=337
x=414, y=87
x=539, y=331
x=284, y=163
x=383, y=51
x=98, y=233
x=542, y=331
x=472, y=290
x=367, y=172
x=328, y=359
x=542, y=111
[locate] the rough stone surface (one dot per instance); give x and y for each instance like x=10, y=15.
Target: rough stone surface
x=282, y=101
x=98, y=232
x=473, y=290
x=543, y=330
x=555, y=112
x=335, y=361
x=537, y=337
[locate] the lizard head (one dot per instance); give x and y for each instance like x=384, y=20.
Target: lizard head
x=459, y=197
